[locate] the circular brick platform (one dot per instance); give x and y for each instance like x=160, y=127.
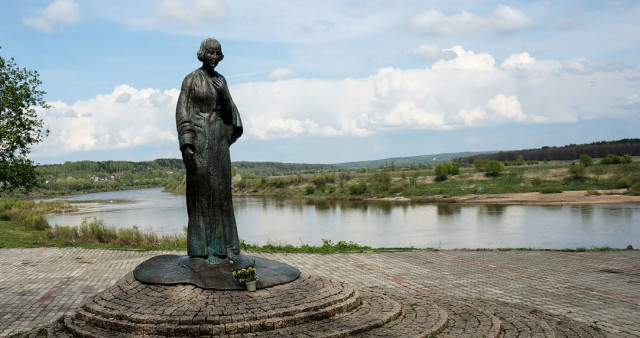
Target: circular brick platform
x=309, y=306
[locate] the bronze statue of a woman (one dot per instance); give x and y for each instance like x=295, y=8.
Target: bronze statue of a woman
x=208, y=123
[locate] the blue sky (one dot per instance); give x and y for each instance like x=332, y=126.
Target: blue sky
x=333, y=81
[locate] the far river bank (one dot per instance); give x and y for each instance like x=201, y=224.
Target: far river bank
x=616, y=196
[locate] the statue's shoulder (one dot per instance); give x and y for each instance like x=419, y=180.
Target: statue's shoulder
x=193, y=76
x=221, y=77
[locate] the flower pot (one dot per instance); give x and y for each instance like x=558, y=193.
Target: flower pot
x=251, y=286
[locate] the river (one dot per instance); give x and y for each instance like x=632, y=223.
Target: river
x=378, y=224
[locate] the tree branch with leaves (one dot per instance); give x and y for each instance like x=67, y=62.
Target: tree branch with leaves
x=19, y=124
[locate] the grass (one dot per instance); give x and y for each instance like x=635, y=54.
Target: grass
x=327, y=247
x=16, y=235
x=95, y=232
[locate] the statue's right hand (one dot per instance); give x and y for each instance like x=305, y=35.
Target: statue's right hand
x=189, y=159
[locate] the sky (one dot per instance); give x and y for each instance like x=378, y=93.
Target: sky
x=332, y=81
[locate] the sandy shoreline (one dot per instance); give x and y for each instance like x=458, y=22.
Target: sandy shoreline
x=566, y=197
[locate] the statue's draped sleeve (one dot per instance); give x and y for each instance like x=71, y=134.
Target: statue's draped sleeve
x=184, y=123
x=231, y=113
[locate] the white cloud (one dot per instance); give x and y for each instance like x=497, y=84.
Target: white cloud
x=504, y=19
x=125, y=118
x=407, y=113
x=58, y=13
x=280, y=74
x=192, y=12
x=517, y=60
x=465, y=60
x=465, y=92
x=507, y=108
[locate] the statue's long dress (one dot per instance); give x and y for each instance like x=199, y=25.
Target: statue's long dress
x=208, y=120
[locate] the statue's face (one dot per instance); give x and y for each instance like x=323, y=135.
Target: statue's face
x=212, y=56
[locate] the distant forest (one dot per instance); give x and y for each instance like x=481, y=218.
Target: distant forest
x=410, y=160
x=570, y=152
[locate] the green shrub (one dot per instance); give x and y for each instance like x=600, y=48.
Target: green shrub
x=398, y=188
x=494, y=168
x=455, y=170
x=623, y=183
x=64, y=233
x=381, y=182
x=278, y=182
x=309, y=190
x=358, y=188
x=626, y=158
x=321, y=180
x=586, y=160
x=130, y=236
x=448, y=165
x=344, y=176
x=578, y=171
x=552, y=189
x=413, y=180
x=635, y=189
x=520, y=160
x=260, y=183
x=36, y=221
x=480, y=164
x=441, y=171
x=536, y=181
x=610, y=159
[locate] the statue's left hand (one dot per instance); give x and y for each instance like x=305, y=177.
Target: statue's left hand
x=189, y=159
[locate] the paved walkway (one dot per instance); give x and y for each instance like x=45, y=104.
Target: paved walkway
x=37, y=286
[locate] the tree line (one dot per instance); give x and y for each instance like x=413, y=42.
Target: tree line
x=569, y=152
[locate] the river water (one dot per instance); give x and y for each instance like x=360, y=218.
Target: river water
x=378, y=224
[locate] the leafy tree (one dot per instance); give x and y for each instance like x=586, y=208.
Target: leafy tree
x=19, y=124
x=480, y=164
x=586, y=160
x=441, y=171
x=494, y=168
x=455, y=168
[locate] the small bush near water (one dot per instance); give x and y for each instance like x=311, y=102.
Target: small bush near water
x=95, y=231
x=30, y=213
x=552, y=189
x=635, y=189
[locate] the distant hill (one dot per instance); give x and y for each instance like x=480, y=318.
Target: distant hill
x=421, y=159
x=279, y=168
x=569, y=152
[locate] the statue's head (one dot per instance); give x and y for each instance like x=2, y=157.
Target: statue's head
x=210, y=52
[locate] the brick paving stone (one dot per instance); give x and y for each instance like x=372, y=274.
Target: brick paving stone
x=40, y=285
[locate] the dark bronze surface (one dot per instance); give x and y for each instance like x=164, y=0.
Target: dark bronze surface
x=176, y=269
